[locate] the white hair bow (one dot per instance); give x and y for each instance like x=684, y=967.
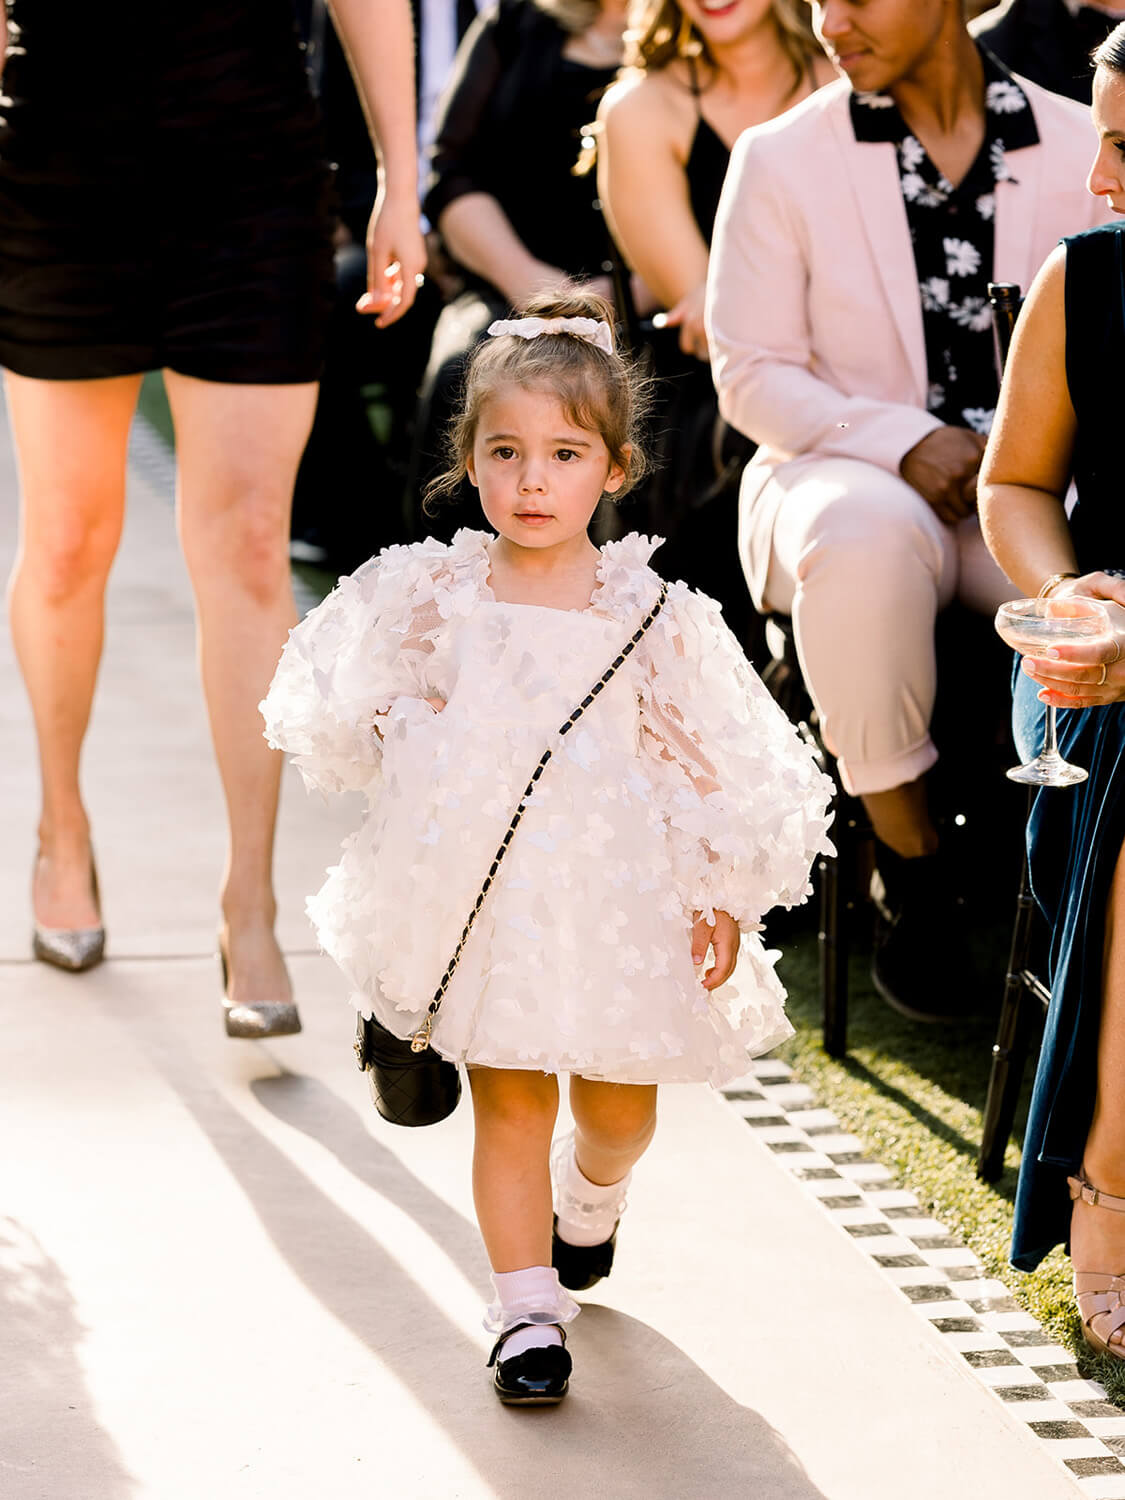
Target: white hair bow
x=591, y=330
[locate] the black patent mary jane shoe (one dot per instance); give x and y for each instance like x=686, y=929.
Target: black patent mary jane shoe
x=537, y=1377
x=581, y=1266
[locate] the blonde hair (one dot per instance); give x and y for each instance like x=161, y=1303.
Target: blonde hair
x=659, y=32
x=600, y=392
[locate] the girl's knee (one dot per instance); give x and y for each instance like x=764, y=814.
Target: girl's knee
x=513, y=1098
x=616, y=1116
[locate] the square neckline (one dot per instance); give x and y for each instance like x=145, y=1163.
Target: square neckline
x=488, y=595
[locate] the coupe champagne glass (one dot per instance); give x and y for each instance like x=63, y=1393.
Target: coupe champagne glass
x=1031, y=626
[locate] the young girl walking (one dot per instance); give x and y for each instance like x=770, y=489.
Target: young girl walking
x=680, y=807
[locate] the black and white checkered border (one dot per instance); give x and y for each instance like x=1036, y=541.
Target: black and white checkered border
x=1005, y=1347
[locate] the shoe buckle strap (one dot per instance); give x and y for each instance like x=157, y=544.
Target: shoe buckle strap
x=1082, y=1187
x=515, y=1328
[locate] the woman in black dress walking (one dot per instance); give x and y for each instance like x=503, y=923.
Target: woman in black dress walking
x=165, y=204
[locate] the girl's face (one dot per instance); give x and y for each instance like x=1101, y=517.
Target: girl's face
x=1107, y=175
x=540, y=477
x=723, y=23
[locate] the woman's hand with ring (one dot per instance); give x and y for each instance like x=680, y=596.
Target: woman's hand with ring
x=1085, y=674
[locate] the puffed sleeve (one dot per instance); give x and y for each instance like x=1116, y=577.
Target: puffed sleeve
x=362, y=654
x=746, y=803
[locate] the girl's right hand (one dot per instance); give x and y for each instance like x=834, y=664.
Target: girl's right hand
x=437, y=704
x=723, y=939
x=1072, y=676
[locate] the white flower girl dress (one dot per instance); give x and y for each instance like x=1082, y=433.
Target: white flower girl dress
x=682, y=789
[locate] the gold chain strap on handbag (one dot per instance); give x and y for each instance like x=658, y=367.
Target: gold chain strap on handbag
x=421, y=1038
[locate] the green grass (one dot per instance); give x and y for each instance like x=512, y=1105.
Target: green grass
x=914, y=1096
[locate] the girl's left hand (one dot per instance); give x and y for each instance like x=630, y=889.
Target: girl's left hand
x=724, y=937
x=396, y=259
x=1083, y=675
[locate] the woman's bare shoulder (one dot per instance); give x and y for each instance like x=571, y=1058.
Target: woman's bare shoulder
x=656, y=106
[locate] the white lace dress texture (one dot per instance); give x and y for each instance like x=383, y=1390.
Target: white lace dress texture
x=683, y=788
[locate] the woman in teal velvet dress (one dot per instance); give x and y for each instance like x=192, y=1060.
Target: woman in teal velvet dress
x=1061, y=416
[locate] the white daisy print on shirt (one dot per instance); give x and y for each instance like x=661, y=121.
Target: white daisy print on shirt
x=911, y=152
x=973, y=313
x=961, y=257
x=935, y=397
x=1000, y=169
x=935, y=293
x=986, y=205
x=979, y=419
x=1004, y=98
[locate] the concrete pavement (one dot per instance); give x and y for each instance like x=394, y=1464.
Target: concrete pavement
x=221, y=1275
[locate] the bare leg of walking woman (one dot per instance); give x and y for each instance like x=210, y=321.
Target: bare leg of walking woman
x=71, y=439
x=238, y=448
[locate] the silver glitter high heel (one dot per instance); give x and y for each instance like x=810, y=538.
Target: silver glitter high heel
x=256, y=1022
x=72, y=948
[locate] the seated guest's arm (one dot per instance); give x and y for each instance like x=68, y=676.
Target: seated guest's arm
x=1024, y=478
x=762, y=342
x=643, y=187
x=459, y=203
x=1026, y=468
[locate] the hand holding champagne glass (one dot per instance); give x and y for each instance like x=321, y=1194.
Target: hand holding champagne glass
x=1031, y=627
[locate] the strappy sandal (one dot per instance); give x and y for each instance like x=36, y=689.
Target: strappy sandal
x=1099, y=1295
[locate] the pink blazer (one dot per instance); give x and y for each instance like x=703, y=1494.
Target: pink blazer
x=813, y=312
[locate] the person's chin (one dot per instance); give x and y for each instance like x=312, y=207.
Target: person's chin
x=865, y=75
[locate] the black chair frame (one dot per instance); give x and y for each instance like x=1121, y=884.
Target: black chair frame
x=1026, y=997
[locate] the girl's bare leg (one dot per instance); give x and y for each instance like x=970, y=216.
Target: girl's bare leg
x=515, y=1114
x=71, y=438
x=238, y=448
x=1097, y=1234
x=613, y=1126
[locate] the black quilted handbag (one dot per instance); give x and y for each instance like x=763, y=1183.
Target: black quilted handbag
x=411, y=1084
x=407, y=1087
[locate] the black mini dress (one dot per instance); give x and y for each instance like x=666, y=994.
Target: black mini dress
x=165, y=201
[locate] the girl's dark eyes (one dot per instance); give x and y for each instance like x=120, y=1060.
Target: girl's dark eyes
x=502, y=451
x=1119, y=147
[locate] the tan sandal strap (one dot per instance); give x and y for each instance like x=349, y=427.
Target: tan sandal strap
x=1082, y=1187
x=1092, y=1304
x=1116, y=1318
x=1088, y=1282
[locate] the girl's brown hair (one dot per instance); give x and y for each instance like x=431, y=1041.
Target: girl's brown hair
x=600, y=392
x=659, y=32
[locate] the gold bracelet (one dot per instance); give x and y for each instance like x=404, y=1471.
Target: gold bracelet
x=1053, y=583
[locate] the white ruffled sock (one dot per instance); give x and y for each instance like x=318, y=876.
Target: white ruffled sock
x=531, y=1296
x=587, y=1211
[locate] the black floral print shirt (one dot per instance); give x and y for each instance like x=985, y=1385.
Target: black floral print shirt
x=952, y=229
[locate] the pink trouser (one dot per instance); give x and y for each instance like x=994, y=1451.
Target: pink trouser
x=863, y=565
